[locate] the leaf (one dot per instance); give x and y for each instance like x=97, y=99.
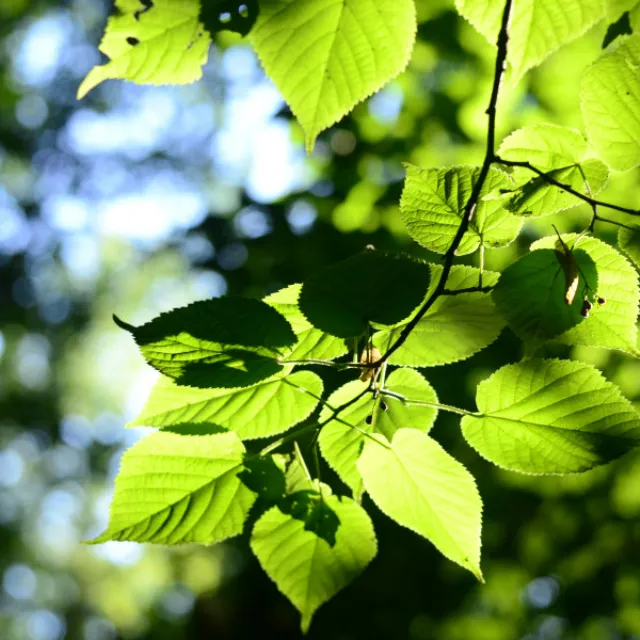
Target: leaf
x=264, y=476
x=326, y=56
x=420, y=486
x=629, y=242
x=536, y=28
x=615, y=8
x=159, y=42
x=551, y=417
x=433, y=203
x=531, y=293
x=173, y=489
x=613, y=324
x=263, y=410
x=560, y=152
x=341, y=444
x=312, y=343
x=610, y=97
x=454, y=328
x=305, y=567
x=371, y=286
x=311, y=508
x=222, y=342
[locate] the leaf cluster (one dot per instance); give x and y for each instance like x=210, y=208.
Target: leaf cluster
x=241, y=410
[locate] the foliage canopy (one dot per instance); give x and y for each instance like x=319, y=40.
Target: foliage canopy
x=235, y=370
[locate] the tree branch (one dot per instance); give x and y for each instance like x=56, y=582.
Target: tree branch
x=472, y=202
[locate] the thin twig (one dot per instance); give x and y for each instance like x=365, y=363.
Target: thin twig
x=472, y=202
x=424, y=403
x=565, y=187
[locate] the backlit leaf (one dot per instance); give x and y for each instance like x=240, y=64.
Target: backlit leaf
x=222, y=342
x=433, y=203
x=551, y=417
x=326, y=56
x=304, y=566
x=344, y=298
x=159, y=42
x=612, y=325
x=610, y=95
x=562, y=153
x=341, y=443
x=454, y=328
x=262, y=410
x=312, y=343
x=537, y=27
x=531, y=293
x=420, y=486
x=173, y=489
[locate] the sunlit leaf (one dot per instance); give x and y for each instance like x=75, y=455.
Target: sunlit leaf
x=531, y=293
x=344, y=298
x=159, y=42
x=454, y=328
x=433, y=203
x=562, y=153
x=304, y=566
x=611, y=325
x=265, y=409
x=629, y=242
x=551, y=417
x=341, y=441
x=312, y=343
x=537, y=27
x=610, y=94
x=325, y=56
x=420, y=486
x=222, y=342
x=173, y=489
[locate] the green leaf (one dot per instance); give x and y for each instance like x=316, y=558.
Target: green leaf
x=455, y=327
x=420, y=486
x=531, y=293
x=562, y=153
x=296, y=476
x=222, y=342
x=263, y=410
x=433, y=202
x=163, y=42
x=615, y=8
x=264, y=475
x=326, y=56
x=341, y=443
x=610, y=95
x=310, y=507
x=629, y=242
x=371, y=286
x=536, y=28
x=173, y=489
x=312, y=343
x=551, y=417
x=613, y=324
x=305, y=567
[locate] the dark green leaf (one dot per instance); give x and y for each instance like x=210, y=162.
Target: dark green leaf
x=346, y=297
x=223, y=342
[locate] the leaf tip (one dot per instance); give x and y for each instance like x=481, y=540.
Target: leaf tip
x=91, y=81
x=123, y=325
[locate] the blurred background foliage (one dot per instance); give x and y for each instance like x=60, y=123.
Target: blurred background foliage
x=140, y=199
